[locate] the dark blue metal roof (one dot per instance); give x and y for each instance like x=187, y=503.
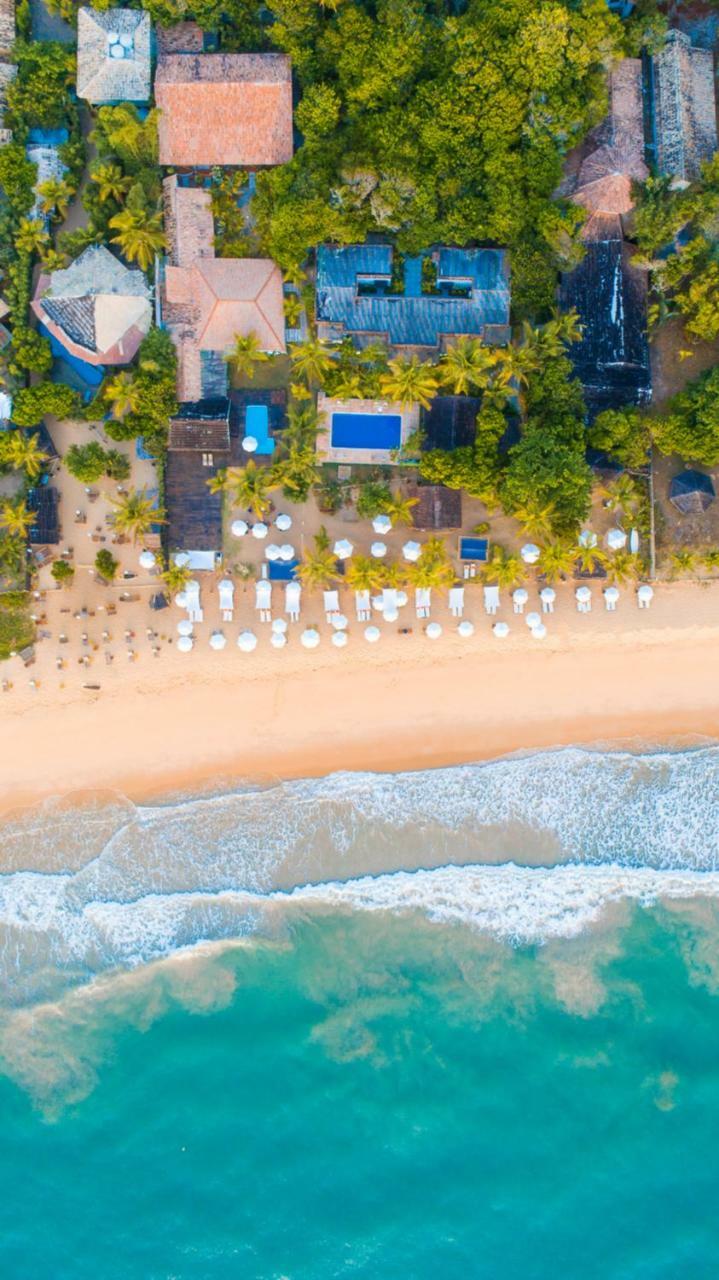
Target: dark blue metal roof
x=412, y=318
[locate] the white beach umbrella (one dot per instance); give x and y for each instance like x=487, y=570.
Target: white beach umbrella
x=587, y=538
x=412, y=550
x=645, y=592
x=372, y=634
x=181, y=559
x=539, y=632
x=339, y=639
x=501, y=630
x=381, y=524
x=287, y=552
x=520, y=596
x=583, y=595
x=401, y=599
x=181, y=599
x=259, y=530
x=272, y=551
x=465, y=628
x=184, y=628
x=611, y=595
x=391, y=615
x=239, y=528
x=217, y=640
x=147, y=560
x=548, y=595
x=343, y=549
x=530, y=553
x=616, y=539
x=184, y=644
x=378, y=550
x=378, y=603
x=249, y=444
x=278, y=639
x=339, y=622
x=247, y=641
x=279, y=626
x=533, y=620
x=310, y=638
x=283, y=522
x=433, y=630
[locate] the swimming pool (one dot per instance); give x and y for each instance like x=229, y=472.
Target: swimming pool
x=366, y=431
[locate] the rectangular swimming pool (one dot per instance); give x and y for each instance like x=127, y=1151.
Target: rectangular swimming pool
x=366, y=431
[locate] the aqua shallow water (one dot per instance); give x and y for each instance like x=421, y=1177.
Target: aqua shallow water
x=488, y=1072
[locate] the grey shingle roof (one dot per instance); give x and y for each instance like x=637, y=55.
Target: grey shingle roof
x=684, y=107
x=113, y=55
x=76, y=316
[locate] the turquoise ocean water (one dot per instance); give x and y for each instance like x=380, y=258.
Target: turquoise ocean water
x=239, y=1038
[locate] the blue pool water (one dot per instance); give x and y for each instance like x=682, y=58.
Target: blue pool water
x=257, y=424
x=366, y=431
x=241, y=1040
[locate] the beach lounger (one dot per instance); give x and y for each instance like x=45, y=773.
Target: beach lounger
x=194, y=608
x=332, y=604
x=456, y=601
x=362, y=606
x=263, y=599
x=422, y=598
x=469, y=570
x=227, y=599
x=293, y=592
x=547, y=596
x=491, y=599
x=519, y=599
x=611, y=596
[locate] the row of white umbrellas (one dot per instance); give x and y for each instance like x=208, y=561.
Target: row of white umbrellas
x=239, y=528
x=310, y=637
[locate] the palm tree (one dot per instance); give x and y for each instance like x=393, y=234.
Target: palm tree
x=310, y=360
x=710, y=559
x=505, y=569
x=24, y=453
x=556, y=561
x=176, y=576
x=364, y=573
x=399, y=509
x=623, y=567
x=245, y=354
x=140, y=235
x=55, y=196
x=111, y=182
x=250, y=486
x=683, y=562
x=589, y=559
x=15, y=518
x=536, y=519
x=433, y=569
x=465, y=366
x=410, y=382
x=297, y=472
x=301, y=425
x=31, y=236
x=135, y=514
x=319, y=567
x=218, y=482
x=124, y=394
x=348, y=386
x=293, y=310
x=52, y=260
x=621, y=494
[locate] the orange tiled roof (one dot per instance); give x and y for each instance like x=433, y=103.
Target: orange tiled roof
x=224, y=109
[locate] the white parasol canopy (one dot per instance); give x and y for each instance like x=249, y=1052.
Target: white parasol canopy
x=391, y=615
x=465, y=628
x=616, y=539
x=343, y=549
x=339, y=639
x=278, y=639
x=259, y=530
x=583, y=595
x=147, y=560
x=548, y=595
x=181, y=599
x=433, y=630
x=412, y=550
x=378, y=550
x=239, y=528
x=501, y=630
x=539, y=632
x=279, y=626
x=185, y=643
x=283, y=522
x=520, y=596
x=272, y=551
x=645, y=592
x=611, y=594
x=381, y=524
x=249, y=444
x=530, y=553
x=247, y=641
x=287, y=552
x=339, y=622
x=310, y=638
x=533, y=620
x=402, y=599
x=587, y=538
x=184, y=628
x=372, y=634
x=217, y=640
x=181, y=559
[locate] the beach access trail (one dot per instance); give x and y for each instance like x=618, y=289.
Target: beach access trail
x=187, y=722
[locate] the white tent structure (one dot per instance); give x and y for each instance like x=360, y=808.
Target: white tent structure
x=587, y=538
x=287, y=552
x=538, y=633
x=272, y=551
x=249, y=444
x=340, y=622
x=279, y=626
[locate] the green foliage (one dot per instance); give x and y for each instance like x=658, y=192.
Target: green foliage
x=63, y=572
x=30, y=351
x=372, y=499
x=33, y=403
x=106, y=564
x=17, y=178
x=660, y=212
x=624, y=434
x=691, y=425
x=16, y=626
x=38, y=97
x=154, y=380
x=87, y=462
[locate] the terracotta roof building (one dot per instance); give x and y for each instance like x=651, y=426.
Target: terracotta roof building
x=207, y=301
x=684, y=114
x=224, y=109
x=98, y=309
x=113, y=55
x=612, y=157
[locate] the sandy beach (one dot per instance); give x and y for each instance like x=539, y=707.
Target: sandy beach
x=188, y=721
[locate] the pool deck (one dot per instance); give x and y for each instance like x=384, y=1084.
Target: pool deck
x=362, y=457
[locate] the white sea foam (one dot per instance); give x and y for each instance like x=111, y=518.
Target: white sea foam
x=590, y=828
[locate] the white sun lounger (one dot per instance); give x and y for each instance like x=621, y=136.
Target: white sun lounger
x=293, y=592
x=362, y=606
x=456, y=601
x=263, y=599
x=547, y=595
x=422, y=599
x=491, y=599
x=332, y=604
x=227, y=599
x=192, y=593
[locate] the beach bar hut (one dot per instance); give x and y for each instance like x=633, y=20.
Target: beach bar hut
x=691, y=492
